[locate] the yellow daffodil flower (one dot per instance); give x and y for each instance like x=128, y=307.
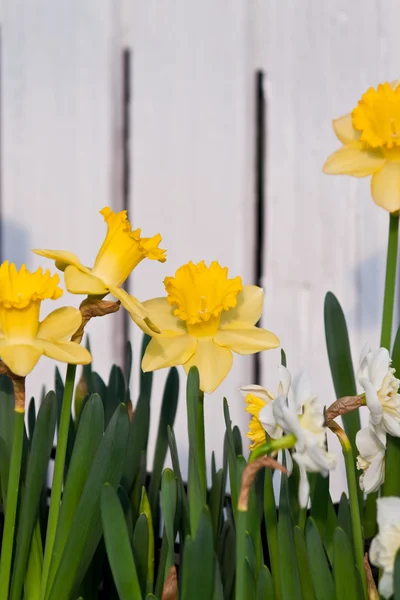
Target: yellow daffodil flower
x=371, y=144
x=122, y=250
x=23, y=338
x=204, y=318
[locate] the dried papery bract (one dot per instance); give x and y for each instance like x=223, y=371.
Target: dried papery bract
x=343, y=406
x=94, y=307
x=249, y=475
x=372, y=591
x=18, y=385
x=170, y=589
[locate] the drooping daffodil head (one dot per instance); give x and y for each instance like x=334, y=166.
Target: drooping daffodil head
x=203, y=319
x=302, y=415
x=386, y=544
x=381, y=387
x=23, y=337
x=122, y=250
x=370, y=135
x=371, y=444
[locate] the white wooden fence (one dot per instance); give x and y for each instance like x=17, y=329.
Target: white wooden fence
x=192, y=155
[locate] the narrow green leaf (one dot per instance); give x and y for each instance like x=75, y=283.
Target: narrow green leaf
x=128, y=361
x=198, y=569
x=182, y=498
x=227, y=557
x=230, y=449
x=71, y=427
x=118, y=546
x=237, y=440
x=42, y=444
x=216, y=503
x=396, y=577
x=4, y=470
x=146, y=379
x=321, y=576
x=115, y=394
x=34, y=570
x=344, y=518
x=137, y=441
x=6, y=411
x=145, y=509
x=168, y=503
x=88, y=439
x=304, y=570
x=265, y=587
x=140, y=546
x=218, y=589
x=86, y=527
x=31, y=418
x=290, y=586
x=344, y=569
x=167, y=419
x=340, y=361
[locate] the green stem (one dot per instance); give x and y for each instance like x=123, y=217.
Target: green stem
x=370, y=525
x=390, y=281
x=241, y=525
x=12, y=501
x=287, y=441
x=354, y=507
x=271, y=529
x=201, y=444
x=58, y=476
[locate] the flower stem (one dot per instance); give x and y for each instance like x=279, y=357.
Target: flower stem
x=58, y=476
x=201, y=445
x=12, y=501
x=390, y=281
x=271, y=528
x=287, y=441
x=353, y=499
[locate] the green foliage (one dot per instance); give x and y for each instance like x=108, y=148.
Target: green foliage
x=109, y=542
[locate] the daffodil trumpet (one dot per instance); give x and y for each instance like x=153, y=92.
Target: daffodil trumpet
x=121, y=252
x=204, y=318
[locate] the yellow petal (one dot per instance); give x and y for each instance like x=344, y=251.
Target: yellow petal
x=62, y=258
x=213, y=363
x=78, y=282
x=136, y=310
x=60, y=324
x=161, y=313
x=21, y=358
x=247, y=310
x=168, y=351
x=344, y=130
x=247, y=341
x=68, y=352
x=354, y=160
x=385, y=187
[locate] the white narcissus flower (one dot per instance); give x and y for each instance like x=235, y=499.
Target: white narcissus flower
x=381, y=390
x=259, y=404
x=303, y=416
x=371, y=444
x=385, y=545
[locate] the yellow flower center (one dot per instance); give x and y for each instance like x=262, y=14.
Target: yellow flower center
x=377, y=116
x=200, y=294
x=123, y=249
x=21, y=294
x=256, y=433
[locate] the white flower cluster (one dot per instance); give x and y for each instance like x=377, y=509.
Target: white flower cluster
x=299, y=413
x=381, y=387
